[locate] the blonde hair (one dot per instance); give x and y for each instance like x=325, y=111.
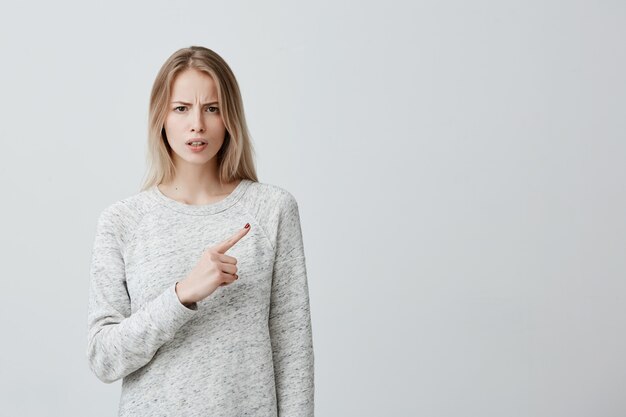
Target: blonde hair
x=236, y=156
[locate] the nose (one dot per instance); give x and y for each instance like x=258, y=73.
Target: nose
x=198, y=122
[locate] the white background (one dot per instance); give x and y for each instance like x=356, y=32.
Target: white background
x=459, y=168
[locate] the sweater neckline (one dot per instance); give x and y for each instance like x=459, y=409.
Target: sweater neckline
x=202, y=209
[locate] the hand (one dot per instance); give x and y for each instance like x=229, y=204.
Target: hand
x=214, y=269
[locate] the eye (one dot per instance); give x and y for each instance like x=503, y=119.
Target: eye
x=213, y=107
x=179, y=107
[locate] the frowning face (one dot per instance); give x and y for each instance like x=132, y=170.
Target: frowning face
x=194, y=116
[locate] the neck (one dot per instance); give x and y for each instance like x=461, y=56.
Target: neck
x=196, y=182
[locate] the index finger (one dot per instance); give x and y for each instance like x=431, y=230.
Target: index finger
x=230, y=242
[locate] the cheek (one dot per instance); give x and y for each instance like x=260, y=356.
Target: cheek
x=217, y=123
x=171, y=125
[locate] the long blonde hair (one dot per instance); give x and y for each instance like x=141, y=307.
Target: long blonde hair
x=236, y=156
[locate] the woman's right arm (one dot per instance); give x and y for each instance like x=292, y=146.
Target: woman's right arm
x=118, y=342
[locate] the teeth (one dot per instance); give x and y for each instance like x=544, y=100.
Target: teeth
x=196, y=143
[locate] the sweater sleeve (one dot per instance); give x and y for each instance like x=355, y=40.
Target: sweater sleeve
x=119, y=342
x=290, y=319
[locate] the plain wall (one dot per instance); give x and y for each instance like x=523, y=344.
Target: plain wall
x=459, y=168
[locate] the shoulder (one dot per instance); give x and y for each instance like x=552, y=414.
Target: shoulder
x=122, y=216
x=276, y=210
x=134, y=205
x=271, y=195
x=270, y=204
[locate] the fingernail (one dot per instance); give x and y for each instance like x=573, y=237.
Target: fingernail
x=246, y=226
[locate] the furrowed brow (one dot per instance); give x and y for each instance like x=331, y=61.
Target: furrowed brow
x=189, y=104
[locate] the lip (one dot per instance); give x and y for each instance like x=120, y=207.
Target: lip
x=196, y=140
x=197, y=148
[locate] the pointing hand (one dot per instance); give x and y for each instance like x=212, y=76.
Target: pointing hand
x=213, y=270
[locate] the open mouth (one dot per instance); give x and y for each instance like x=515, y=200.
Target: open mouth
x=197, y=146
x=196, y=142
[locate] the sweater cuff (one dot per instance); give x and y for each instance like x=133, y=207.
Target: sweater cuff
x=169, y=313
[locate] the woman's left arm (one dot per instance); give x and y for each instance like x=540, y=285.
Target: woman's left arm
x=290, y=318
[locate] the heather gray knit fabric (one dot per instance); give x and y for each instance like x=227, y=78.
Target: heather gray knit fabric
x=245, y=350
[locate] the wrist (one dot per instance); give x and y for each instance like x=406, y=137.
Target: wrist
x=181, y=292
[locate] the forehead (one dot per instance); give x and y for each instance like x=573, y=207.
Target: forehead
x=192, y=83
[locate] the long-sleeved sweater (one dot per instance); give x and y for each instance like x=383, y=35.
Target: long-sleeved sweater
x=245, y=350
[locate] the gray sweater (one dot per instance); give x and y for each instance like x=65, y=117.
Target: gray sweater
x=245, y=350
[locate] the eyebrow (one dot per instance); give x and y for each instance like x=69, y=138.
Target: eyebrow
x=189, y=104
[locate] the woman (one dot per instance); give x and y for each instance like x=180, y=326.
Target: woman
x=199, y=297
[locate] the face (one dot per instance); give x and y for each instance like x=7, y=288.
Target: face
x=193, y=114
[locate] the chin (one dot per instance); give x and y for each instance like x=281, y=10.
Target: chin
x=199, y=158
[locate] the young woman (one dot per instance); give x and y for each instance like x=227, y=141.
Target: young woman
x=198, y=297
